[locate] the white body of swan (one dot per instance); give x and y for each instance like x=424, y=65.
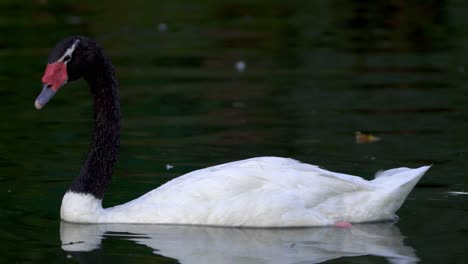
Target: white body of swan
x=257, y=192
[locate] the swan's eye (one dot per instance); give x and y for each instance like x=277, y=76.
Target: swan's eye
x=66, y=58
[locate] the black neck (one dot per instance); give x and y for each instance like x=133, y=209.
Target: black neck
x=97, y=170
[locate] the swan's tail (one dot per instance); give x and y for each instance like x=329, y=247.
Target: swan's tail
x=397, y=184
x=400, y=177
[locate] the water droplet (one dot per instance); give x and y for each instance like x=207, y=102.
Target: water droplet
x=240, y=66
x=162, y=27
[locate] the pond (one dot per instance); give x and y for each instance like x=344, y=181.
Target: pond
x=211, y=82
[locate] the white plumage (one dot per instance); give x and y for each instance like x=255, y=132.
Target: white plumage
x=257, y=192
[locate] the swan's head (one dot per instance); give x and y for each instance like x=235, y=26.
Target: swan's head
x=66, y=62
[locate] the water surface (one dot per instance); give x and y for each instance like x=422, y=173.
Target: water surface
x=315, y=72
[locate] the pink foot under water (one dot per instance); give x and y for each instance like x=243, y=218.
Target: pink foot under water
x=343, y=224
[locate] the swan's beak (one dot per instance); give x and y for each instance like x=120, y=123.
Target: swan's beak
x=55, y=76
x=46, y=94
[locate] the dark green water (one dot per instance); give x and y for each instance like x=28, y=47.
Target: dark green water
x=316, y=72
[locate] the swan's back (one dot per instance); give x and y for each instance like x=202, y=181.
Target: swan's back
x=265, y=191
x=234, y=178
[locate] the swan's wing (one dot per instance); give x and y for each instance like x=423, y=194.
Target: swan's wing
x=271, y=174
x=265, y=191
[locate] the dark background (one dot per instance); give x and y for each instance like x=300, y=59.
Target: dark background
x=315, y=73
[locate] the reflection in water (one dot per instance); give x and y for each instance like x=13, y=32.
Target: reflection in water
x=195, y=244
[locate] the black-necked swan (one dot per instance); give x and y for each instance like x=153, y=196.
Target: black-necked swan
x=257, y=192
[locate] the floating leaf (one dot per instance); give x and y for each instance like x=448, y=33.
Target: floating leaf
x=362, y=138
